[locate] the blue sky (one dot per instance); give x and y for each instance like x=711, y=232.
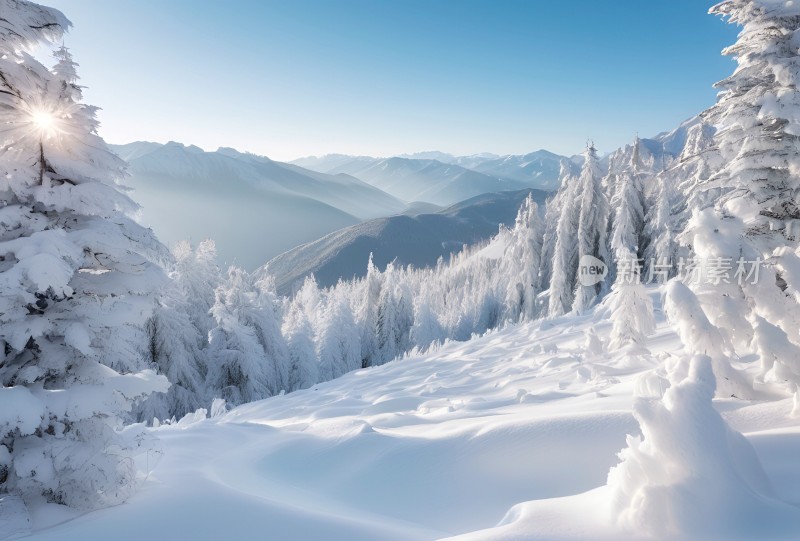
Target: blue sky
x=298, y=77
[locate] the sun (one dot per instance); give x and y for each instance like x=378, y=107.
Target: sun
x=44, y=121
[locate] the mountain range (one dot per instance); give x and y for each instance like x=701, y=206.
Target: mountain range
x=442, y=178
x=241, y=200
x=253, y=207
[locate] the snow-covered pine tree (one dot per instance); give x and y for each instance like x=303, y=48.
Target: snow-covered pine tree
x=631, y=308
x=698, y=161
x=177, y=350
x=552, y=213
x=367, y=315
x=758, y=120
x=248, y=359
x=198, y=276
x=661, y=252
x=77, y=283
x=756, y=214
x=641, y=172
x=778, y=355
x=310, y=298
x=701, y=337
x=395, y=317
x=688, y=464
x=628, y=219
x=681, y=190
x=338, y=340
x=426, y=329
x=521, y=262
x=178, y=332
x=299, y=336
x=592, y=224
x=566, y=212
x=268, y=327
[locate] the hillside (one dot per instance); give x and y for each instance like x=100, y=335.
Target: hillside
x=508, y=436
x=418, y=240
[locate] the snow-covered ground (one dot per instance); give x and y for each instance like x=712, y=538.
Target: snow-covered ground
x=447, y=444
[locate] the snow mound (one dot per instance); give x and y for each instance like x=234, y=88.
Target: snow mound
x=691, y=474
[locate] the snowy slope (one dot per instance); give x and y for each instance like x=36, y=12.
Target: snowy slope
x=439, y=445
x=241, y=200
x=417, y=239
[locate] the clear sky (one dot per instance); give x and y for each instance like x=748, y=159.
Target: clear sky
x=291, y=78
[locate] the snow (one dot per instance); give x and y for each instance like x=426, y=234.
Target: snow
x=507, y=436
x=27, y=27
x=19, y=409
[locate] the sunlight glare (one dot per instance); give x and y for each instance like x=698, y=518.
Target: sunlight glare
x=44, y=121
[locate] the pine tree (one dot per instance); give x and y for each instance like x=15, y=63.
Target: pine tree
x=77, y=283
x=641, y=173
x=592, y=224
x=426, y=329
x=631, y=307
x=178, y=332
x=368, y=314
x=522, y=262
x=778, y=354
x=197, y=276
x=755, y=215
x=699, y=160
x=177, y=350
x=758, y=125
x=395, y=317
x=565, y=251
x=299, y=336
x=628, y=220
x=267, y=322
x=552, y=212
x=701, y=337
x=338, y=342
x=248, y=359
x=661, y=253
